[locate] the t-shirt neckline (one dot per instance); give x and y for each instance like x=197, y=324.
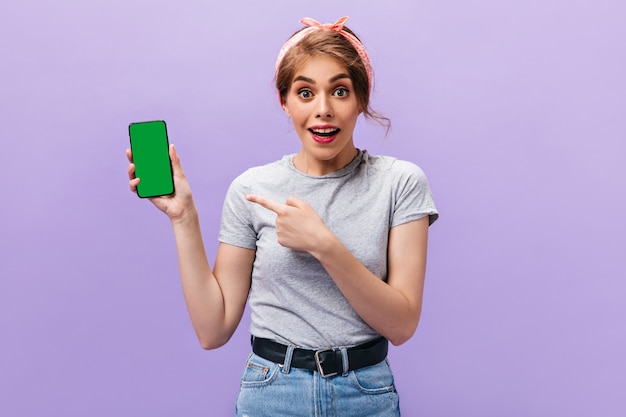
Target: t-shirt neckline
x=352, y=165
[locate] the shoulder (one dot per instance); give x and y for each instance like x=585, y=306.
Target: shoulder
x=407, y=182
x=394, y=167
x=401, y=176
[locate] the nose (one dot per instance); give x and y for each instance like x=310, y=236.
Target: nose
x=324, y=107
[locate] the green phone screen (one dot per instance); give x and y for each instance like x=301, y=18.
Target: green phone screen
x=150, y=148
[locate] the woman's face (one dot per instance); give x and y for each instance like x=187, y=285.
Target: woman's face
x=323, y=108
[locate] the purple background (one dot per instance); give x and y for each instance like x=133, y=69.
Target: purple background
x=515, y=110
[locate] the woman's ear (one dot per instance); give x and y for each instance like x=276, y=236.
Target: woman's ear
x=285, y=108
x=283, y=104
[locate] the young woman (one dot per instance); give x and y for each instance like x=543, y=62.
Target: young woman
x=328, y=245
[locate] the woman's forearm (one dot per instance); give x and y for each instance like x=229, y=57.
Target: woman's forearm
x=391, y=308
x=203, y=296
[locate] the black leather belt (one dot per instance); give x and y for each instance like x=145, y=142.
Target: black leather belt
x=327, y=362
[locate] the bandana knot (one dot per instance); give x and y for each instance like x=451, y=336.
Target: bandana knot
x=335, y=27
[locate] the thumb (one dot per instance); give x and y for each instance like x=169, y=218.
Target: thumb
x=176, y=166
x=293, y=201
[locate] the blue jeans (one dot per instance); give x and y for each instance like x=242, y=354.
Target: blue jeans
x=277, y=390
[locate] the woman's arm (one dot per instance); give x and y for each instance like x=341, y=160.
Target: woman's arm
x=391, y=308
x=215, y=298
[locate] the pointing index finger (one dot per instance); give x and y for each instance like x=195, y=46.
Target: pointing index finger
x=265, y=202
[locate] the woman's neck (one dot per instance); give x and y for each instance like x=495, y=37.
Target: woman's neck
x=310, y=165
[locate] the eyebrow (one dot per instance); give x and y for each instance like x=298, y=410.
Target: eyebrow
x=311, y=81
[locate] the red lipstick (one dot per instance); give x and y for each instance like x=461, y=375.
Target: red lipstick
x=324, y=134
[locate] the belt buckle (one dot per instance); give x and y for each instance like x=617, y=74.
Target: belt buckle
x=320, y=368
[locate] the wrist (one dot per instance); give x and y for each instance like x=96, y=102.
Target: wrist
x=326, y=244
x=186, y=217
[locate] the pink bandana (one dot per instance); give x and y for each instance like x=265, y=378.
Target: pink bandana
x=313, y=25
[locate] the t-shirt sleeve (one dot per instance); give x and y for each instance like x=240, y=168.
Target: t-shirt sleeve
x=236, y=227
x=413, y=197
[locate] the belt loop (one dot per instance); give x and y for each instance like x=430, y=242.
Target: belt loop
x=344, y=360
x=288, y=356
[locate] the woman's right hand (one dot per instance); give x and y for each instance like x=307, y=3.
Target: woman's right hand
x=176, y=206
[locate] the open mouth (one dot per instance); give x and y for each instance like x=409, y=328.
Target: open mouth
x=324, y=135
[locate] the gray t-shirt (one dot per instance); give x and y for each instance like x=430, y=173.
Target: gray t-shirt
x=292, y=299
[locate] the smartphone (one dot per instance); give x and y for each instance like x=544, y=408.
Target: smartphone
x=151, y=156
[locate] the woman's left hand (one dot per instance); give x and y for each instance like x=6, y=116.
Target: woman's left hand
x=298, y=226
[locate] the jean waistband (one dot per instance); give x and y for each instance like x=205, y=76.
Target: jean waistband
x=327, y=362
